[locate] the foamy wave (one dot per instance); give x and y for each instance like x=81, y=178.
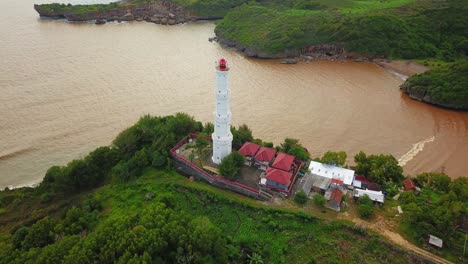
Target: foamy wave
x=418, y=147
x=31, y=185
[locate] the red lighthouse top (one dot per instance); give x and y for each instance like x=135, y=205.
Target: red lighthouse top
x=222, y=65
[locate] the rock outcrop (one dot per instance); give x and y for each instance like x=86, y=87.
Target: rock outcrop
x=160, y=12
x=420, y=93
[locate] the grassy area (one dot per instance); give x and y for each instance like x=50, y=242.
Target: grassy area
x=284, y=235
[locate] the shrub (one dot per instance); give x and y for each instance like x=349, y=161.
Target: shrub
x=300, y=198
x=319, y=200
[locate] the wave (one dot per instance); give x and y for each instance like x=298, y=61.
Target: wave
x=418, y=147
x=14, y=153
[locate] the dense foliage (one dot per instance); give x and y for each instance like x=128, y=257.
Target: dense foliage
x=366, y=207
x=334, y=158
x=293, y=147
x=231, y=164
x=182, y=222
x=437, y=210
x=410, y=32
x=144, y=144
x=381, y=169
x=300, y=198
x=445, y=85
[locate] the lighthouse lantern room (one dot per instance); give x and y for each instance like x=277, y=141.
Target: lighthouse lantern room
x=222, y=137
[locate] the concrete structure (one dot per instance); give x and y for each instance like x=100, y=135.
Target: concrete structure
x=373, y=195
x=318, y=169
x=222, y=137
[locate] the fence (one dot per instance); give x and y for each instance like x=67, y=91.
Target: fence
x=189, y=168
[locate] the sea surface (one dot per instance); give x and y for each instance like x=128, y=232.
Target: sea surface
x=67, y=88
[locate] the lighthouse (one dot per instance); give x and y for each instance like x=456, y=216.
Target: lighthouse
x=222, y=137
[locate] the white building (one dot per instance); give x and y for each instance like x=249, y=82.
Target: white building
x=222, y=137
x=331, y=172
x=373, y=195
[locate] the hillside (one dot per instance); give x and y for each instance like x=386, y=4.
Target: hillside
x=126, y=204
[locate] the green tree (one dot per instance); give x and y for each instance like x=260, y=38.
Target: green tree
x=230, y=165
x=300, y=198
x=319, y=200
x=334, y=158
x=379, y=168
x=241, y=135
x=293, y=147
x=40, y=234
x=366, y=207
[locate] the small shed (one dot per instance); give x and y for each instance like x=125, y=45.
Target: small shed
x=360, y=182
x=283, y=161
x=278, y=178
x=373, y=195
x=435, y=241
x=319, y=183
x=335, y=200
x=409, y=185
x=264, y=157
x=248, y=150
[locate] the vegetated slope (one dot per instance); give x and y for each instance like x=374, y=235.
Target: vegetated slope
x=162, y=217
x=414, y=31
x=445, y=85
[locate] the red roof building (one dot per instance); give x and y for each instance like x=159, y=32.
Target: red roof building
x=249, y=149
x=265, y=154
x=337, y=182
x=283, y=161
x=335, y=200
x=409, y=185
x=278, y=178
x=361, y=178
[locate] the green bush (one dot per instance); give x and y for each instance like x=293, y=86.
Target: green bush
x=300, y=198
x=319, y=200
x=230, y=165
x=366, y=207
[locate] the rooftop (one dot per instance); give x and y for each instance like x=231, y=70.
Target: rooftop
x=408, y=184
x=283, y=161
x=279, y=176
x=332, y=172
x=265, y=154
x=249, y=149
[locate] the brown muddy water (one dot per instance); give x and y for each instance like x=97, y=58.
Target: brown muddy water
x=67, y=88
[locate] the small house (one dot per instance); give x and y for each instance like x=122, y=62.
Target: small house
x=248, y=150
x=264, y=157
x=409, y=185
x=283, y=161
x=278, y=178
x=335, y=200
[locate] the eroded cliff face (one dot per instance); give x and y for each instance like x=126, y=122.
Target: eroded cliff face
x=421, y=94
x=161, y=12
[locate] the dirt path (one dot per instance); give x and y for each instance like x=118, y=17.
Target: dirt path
x=382, y=227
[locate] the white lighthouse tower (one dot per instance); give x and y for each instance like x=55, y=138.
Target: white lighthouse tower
x=222, y=137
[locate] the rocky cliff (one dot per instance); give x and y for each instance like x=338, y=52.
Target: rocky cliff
x=160, y=12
